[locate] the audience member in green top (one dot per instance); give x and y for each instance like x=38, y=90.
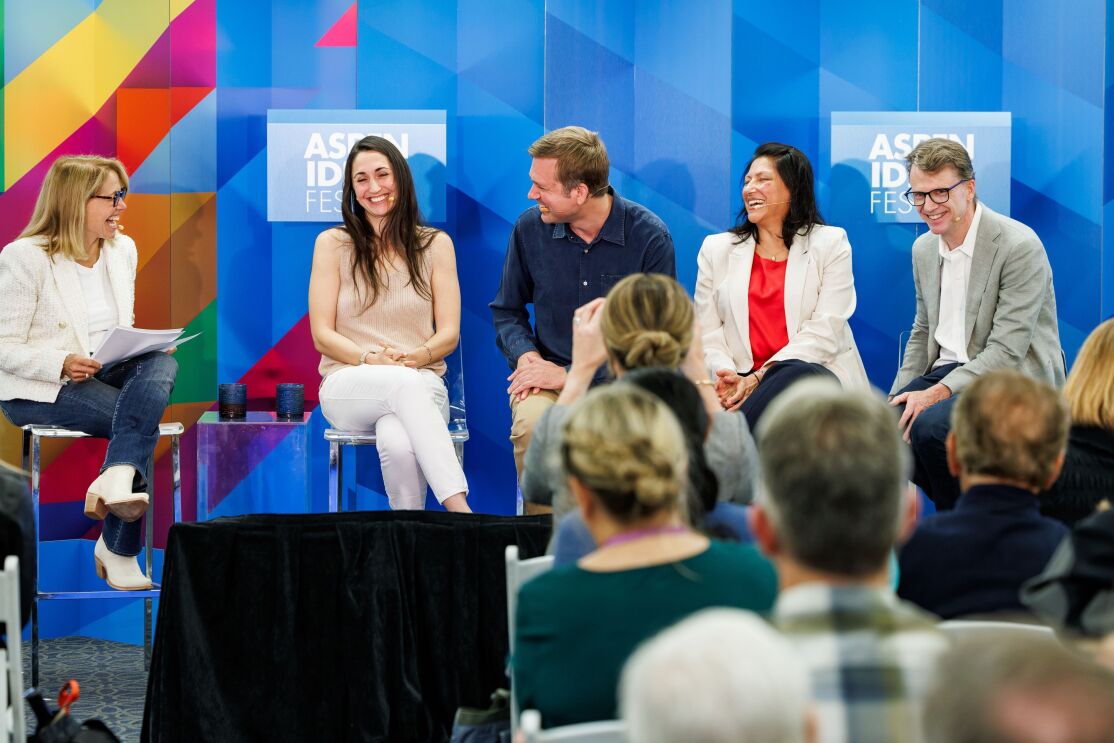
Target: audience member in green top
x=575, y=626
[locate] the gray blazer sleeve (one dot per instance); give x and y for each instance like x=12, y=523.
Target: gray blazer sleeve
x=731, y=454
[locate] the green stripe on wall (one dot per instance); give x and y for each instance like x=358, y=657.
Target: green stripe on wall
x=197, y=360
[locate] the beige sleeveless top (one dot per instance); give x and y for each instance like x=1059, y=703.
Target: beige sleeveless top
x=400, y=317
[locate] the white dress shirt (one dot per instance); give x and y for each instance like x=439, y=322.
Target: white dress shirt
x=955, y=274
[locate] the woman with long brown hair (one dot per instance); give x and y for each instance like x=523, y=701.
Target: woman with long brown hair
x=384, y=310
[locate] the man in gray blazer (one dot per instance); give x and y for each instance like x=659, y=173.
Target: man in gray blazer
x=984, y=301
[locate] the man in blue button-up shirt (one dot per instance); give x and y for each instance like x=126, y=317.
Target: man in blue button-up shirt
x=571, y=248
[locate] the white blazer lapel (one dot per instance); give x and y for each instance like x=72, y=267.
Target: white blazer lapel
x=738, y=287
x=796, y=270
x=69, y=289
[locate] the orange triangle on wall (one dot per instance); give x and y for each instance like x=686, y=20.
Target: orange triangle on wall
x=144, y=116
x=142, y=120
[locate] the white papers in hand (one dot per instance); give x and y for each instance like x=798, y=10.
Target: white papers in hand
x=124, y=343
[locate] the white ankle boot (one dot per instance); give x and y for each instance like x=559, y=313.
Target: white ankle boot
x=112, y=491
x=121, y=572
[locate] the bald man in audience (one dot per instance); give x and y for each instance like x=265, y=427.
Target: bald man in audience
x=1006, y=445
x=834, y=500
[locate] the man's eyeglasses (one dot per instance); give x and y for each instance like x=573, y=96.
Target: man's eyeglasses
x=117, y=196
x=938, y=195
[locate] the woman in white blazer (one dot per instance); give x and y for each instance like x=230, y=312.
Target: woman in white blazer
x=66, y=282
x=773, y=295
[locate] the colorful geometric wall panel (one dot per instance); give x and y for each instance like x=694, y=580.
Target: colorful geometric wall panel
x=681, y=93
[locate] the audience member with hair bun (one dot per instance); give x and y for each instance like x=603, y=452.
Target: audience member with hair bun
x=576, y=625
x=1088, y=473
x=571, y=538
x=774, y=293
x=646, y=321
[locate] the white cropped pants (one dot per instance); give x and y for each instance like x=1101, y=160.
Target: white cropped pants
x=408, y=409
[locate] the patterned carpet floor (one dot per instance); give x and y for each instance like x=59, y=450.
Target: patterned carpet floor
x=111, y=674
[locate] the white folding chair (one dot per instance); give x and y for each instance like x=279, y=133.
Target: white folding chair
x=965, y=629
x=12, y=725
x=606, y=731
x=458, y=430
x=518, y=572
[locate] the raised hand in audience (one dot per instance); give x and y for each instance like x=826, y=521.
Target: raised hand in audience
x=588, y=351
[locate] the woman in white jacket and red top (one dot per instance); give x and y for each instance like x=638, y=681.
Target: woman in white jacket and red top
x=66, y=282
x=774, y=294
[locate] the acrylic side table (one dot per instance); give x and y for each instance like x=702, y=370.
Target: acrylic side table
x=258, y=464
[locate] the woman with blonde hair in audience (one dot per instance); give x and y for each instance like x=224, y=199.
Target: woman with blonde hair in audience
x=577, y=624
x=1088, y=473
x=646, y=321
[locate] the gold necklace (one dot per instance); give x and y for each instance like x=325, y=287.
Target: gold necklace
x=776, y=259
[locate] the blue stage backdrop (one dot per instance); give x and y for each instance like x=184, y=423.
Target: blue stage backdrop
x=681, y=94
x=681, y=91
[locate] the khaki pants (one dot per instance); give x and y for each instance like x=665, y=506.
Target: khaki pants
x=524, y=414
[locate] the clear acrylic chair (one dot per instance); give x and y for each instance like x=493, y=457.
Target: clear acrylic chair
x=458, y=430
x=32, y=446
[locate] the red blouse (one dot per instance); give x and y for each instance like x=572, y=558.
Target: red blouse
x=766, y=300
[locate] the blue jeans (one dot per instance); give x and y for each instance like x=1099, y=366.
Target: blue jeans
x=123, y=403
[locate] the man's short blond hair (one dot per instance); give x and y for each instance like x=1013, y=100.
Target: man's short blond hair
x=581, y=157
x=1010, y=426
x=933, y=155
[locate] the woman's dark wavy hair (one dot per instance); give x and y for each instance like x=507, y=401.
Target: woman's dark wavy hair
x=404, y=229
x=681, y=396
x=796, y=172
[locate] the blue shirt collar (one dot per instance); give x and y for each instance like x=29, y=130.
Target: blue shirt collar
x=613, y=229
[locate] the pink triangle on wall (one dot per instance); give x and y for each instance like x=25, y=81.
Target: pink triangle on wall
x=343, y=32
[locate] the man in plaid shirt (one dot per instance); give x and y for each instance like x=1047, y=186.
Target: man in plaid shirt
x=834, y=472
